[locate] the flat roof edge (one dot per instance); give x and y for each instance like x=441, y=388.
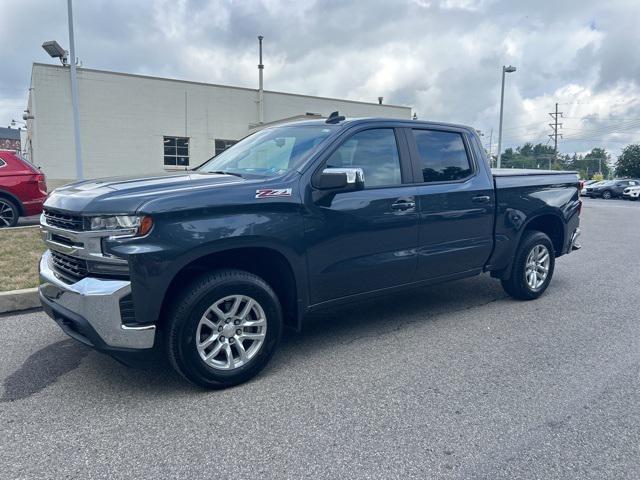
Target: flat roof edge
x=191, y=82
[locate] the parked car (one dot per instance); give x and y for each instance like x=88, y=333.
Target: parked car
x=587, y=183
x=631, y=193
x=611, y=188
x=23, y=188
x=207, y=266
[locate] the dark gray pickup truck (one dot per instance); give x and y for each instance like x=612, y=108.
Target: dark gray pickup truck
x=208, y=265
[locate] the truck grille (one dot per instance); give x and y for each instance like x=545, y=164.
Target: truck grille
x=64, y=220
x=70, y=267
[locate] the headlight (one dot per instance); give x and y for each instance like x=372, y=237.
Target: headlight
x=123, y=224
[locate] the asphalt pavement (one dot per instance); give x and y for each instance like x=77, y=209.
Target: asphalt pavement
x=453, y=381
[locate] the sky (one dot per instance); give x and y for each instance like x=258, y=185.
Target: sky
x=442, y=57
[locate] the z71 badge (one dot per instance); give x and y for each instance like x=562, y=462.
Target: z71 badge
x=273, y=192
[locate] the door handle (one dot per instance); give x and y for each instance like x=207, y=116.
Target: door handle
x=403, y=204
x=481, y=199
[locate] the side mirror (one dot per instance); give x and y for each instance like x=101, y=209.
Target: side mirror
x=341, y=179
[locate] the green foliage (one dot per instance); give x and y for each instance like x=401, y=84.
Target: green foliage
x=596, y=161
x=542, y=157
x=529, y=156
x=629, y=162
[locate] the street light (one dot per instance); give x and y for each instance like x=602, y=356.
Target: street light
x=505, y=70
x=54, y=50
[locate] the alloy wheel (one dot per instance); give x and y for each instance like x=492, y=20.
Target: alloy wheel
x=231, y=332
x=7, y=214
x=537, y=267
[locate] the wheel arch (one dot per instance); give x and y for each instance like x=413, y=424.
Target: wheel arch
x=550, y=224
x=9, y=196
x=270, y=264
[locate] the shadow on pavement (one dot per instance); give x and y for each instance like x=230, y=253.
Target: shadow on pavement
x=42, y=369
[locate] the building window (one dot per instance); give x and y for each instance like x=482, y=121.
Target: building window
x=176, y=151
x=222, y=145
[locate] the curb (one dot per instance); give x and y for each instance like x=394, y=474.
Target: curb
x=15, y=300
x=20, y=227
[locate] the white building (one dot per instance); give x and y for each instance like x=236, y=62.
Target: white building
x=134, y=124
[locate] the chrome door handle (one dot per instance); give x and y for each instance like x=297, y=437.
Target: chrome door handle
x=403, y=205
x=481, y=199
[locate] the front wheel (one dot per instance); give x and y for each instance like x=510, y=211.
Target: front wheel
x=607, y=195
x=532, y=268
x=223, y=329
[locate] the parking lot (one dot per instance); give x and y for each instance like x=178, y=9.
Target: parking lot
x=454, y=381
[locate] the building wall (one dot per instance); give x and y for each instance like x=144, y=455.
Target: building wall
x=123, y=119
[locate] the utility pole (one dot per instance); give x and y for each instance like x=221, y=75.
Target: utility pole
x=260, y=84
x=555, y=126
x=74, y=94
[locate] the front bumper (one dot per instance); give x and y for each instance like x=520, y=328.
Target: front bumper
x=89, y=311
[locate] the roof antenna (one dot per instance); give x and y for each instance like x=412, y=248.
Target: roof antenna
x=335, y=117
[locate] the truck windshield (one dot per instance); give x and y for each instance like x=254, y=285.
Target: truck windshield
x=270, y=152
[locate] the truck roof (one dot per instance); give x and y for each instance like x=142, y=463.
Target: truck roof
x=365, y=120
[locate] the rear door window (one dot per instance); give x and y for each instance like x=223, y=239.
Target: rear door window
x=443, y=156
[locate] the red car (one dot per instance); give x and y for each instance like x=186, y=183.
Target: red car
x=23, y=189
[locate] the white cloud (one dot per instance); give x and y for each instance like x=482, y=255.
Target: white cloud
x=443, y=57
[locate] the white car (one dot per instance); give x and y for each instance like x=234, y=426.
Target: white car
x=631, y=193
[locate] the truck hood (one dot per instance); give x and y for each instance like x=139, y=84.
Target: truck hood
x=127, y=194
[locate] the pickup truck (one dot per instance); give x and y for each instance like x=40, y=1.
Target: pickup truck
x=207, y=266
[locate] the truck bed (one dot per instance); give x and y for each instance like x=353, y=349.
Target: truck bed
x=518, y=172
x=520, y=177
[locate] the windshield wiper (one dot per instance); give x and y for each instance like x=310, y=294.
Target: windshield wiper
x=225, y=172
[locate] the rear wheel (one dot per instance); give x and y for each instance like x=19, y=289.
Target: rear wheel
x=8, y=213
x=224, y=329
x=532, y=268
x=607, y=195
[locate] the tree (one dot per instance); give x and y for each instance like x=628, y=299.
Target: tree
x=629, y=162
x=597, y=160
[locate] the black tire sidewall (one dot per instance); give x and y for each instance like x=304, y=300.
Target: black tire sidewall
x=16, y=213
x=517, y=285
x=188, y=316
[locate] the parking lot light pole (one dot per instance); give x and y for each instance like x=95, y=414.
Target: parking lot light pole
x=74, y=95
x=505, y=70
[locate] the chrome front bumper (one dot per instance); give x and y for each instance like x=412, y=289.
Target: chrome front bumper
x=96, y=302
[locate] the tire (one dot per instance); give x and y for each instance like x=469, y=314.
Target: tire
x=607, y=195
x=518, y=285
x=9, y=213
x=187, y=330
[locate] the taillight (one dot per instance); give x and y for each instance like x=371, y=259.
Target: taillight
x=580, y=184
x=42, y=182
